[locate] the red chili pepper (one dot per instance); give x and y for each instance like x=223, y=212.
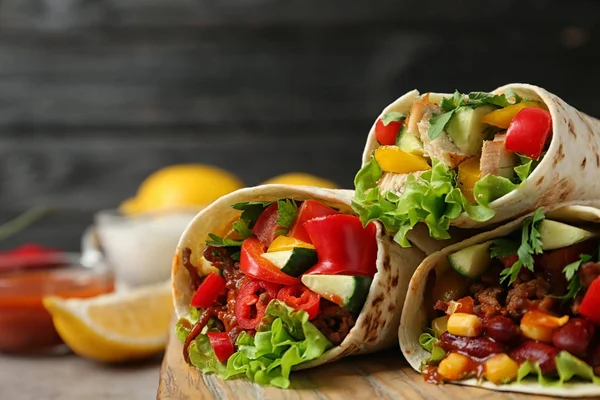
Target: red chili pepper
x=589, y=306
x=343, y=245
x=300, y=297
x=387, y=134
x=221, y=344
x=528, y=132
x=252, y=300
x=266, y=225
x=255, y=266
x=309, y=209
x=209, y=291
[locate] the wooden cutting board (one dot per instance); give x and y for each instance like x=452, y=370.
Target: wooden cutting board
x=379, y=376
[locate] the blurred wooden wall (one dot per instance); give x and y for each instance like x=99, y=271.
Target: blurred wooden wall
x=96, y=94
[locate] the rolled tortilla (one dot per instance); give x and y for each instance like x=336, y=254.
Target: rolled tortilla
x=414, y=314
x=567, y=171
x=377, y=325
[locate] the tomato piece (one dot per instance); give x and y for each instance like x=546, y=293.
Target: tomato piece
x=255, y=266
x=221, y=344
x=309, y=209
x=386, y=134
x=556, y=260
x=252, y=300
x=266, y=225
x=466, y=305
x=589, y=305
x=300, y=297
x=509, y=261
x=528, y=132
x=209, y=291
x=343, y=245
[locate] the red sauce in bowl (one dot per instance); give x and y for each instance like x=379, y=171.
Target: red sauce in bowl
x=25, y=325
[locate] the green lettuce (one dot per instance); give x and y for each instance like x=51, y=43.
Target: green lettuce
x=492, y=187
x=429, y=341
x=285, y=340
x=432, y=198
x=567, y=367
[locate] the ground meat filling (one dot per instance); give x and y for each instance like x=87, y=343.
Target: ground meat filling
x=334, y=322
x=191, y=269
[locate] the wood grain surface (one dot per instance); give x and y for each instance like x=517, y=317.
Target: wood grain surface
x=384, y=375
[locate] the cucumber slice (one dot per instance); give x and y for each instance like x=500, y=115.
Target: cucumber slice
x=556, y=235
x=293, y=262
x=409, y=142
x=349, y=292
x=472, y=261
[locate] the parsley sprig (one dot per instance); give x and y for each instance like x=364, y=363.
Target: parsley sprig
x=287, y=210
x=574, y=283
x=451, y=105
x=530, y=244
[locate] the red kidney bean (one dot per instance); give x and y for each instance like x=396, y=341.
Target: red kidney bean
x=536, y=351
x=479, y=347
x=574, y=336
x=593, y=355
x=501, y=329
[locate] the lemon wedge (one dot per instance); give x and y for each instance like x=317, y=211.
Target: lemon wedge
x=302, y=179
x=115, y=327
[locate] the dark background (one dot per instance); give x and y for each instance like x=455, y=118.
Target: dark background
x=97, y=94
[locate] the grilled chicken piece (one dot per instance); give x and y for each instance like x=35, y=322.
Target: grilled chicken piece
x=495, y=159
x=395, y=183
x=440, y=148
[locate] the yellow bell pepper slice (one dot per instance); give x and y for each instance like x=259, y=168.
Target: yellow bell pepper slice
x=392, y=159
x=468, y=175
x=504, y=116
x=284, y=243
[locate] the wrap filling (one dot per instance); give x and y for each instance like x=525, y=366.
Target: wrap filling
x=447, y=156
x=525, y=304
x=285, y=284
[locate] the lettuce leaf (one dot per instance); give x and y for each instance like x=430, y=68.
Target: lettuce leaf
x=432, y=198
x=567, y=367
x=284, y=341
x=492, y=187
x=429, y=341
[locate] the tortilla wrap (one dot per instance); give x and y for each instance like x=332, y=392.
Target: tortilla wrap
x=377, y=325
x=567, y=171
x=414, y=315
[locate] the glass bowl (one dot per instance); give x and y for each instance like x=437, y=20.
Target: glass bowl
x=25, y=325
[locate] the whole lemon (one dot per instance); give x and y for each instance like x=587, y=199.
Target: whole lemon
x=181, y=185
x=302, y=179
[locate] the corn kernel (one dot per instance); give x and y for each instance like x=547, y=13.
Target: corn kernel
x=454, y=367
x=540, y=333
x=462, y=324
x=501, y=369
x=440, y=325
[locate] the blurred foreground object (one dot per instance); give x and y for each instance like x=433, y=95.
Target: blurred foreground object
x=29, y=273
x=180, y=186
x=115, y=327
x=302, y=179
x=139, y=249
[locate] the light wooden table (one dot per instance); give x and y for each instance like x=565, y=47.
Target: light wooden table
x=379, y=376
x=69, y=377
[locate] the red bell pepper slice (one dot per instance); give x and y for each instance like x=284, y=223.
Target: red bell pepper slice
x=266, y=225
x=300, y=297
x=252, y=300
x=209, y=291
x=528, y=132
x=589, y=305
x=309, y=209
x=221, y=344
x=255, y=266
x=386, y=134
x=343, y=245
